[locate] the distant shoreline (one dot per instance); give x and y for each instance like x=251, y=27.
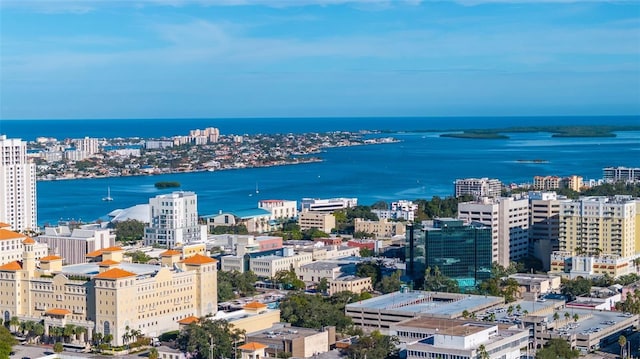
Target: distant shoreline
x=557, y=131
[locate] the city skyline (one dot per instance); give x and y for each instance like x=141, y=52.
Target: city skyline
x=163, y=59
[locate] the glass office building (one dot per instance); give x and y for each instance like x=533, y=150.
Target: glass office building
x=461, y=252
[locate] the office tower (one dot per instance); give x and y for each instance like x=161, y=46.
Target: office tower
x=624, y=174
x=544, y=225
x=509, y=220
x=17, y=186
x=478, y=187
x=173, y=220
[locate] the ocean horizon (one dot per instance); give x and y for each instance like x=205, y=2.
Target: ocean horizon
x=421, y=165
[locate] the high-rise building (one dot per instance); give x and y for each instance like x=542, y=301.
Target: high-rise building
x=509, y=221
x=544, y=225
x=478, y=187
x=462, y=252
x=174, y=220
x=17, y=186
x=624, y=174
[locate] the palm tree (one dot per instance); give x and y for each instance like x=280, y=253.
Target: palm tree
x=465, y=314
x=107, y=338
x=68, y=331
x=622, y=340
x=556, y=316
x=525, y=312
x=510, y=310
x=14, y=323
x=567, y=315
x=79, y=332
x=482, y=352
x=576, y=317
x=153, y=353
x=518, y=307
x=38, y=330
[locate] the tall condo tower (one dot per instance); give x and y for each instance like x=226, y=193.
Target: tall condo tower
x=174, y=220
x=17, y=185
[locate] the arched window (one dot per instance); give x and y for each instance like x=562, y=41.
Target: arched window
x=107, y=330
x=7, y=318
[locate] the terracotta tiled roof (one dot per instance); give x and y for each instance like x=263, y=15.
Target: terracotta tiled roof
x=7, y=234
x=115, y=273
x=108, y=262
x=4, y=225
x=255, y=305
x=28, y=240
x=199, y=259
x=15, y=265
x=97, y=253
x=252, y=346
x=50, y=258
x=57, y=311
x=188, y=320
x=169, y=253
x=112, y=249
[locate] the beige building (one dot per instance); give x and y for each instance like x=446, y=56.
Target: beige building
x=350, y=283
x=12, y=247
x=325, y=222
x=108, y=296
x=268, y=266
x=544, y=225
x=381, y=229
x=543, y=183
x=299, y=342
x=314, y=272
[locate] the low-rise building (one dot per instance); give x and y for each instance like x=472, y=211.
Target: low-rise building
x=281, y=210
x=73, y=245
x=268, y=266
x=328, y=205
x=351, y=284
x=298, y=342
x=381, y=228
x=12, y=245
x=323, y=221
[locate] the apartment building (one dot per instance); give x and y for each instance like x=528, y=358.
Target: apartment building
x=281, y=210
x=323, y=221
x=544, y=225
x=509, y=221
x=349, y=283
x=108, y=297
x=328, y=205
x=478, y=187
x=73, y=245
x=598, y=235
x=12, y=245
x=17, y=186
x=621, y=174
x=546, y=183
x=380, y=229
x=174, y=220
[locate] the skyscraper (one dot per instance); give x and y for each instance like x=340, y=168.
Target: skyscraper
x=17, y=185
x=174, y=220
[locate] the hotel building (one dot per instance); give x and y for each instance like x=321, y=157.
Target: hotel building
x=17, y=186
x=12, y=247
x=107, y=297
x=478, y=187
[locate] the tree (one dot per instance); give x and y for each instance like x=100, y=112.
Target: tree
x=138, y=257
x=557, y=348
x=576, y=317
x=465, y=314
x=316, y=311
x=576, y=287
x=622, y=341
x=374, y=346
x=153, y=353
x=366, y=252
x=435, y=281
x=196, y=338
x=567, y=315
x=7, y=341
x=369, y=269
x=288, y=279
x=14, y=322
x=556, y=316
x=390, y=283
x=380, y=205
x=482, y=352
x=58, y=347
x=129, y=231
x=323, y=285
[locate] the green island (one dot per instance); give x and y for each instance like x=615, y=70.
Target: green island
x=167, y=184
x=557, y=131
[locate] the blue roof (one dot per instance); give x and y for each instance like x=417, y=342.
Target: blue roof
x=251, y=212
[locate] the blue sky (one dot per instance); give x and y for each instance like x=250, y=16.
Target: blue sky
x=298, y=58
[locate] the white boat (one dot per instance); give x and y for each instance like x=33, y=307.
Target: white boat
x=108, y=197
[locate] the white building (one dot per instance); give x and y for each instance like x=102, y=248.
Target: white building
x=87, y=145
x=328, y=205
x=268, y=266
x=509, y=221
x=625, y=174
x=73, y=245
x=478, y=187
x=394, y=214
x=17, y=186
x=280, y=209
x=174, y=220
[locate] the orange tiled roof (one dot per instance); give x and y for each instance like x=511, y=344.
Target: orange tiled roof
x=169, y=253
x=199, y=259
x=28, y=240
x=15, y=265
x=255, y=305
x=112, y=249
x=115, y=273
x=188, y=320
x=97, y=253
x=108, y=262
x=253, y=346
x=7, y=234
x=4, y=225
x=50, y=258
x=57, y=311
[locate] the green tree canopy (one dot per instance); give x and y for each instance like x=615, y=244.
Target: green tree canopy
x=7, y=341
x=129, y=231
x=557, y=349
x=196, y=339
x=374, y=346
x=316, y=311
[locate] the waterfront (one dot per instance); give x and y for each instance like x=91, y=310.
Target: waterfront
x=421, y=166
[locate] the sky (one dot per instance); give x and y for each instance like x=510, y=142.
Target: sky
x=84, y=59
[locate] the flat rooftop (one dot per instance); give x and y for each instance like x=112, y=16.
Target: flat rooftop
x=427, y=302
x=282, y=331
x=92, y=269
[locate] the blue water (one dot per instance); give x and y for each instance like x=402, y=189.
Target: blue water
x=421, y=166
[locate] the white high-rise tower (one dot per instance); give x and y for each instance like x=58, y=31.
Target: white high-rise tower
x=17, y=185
